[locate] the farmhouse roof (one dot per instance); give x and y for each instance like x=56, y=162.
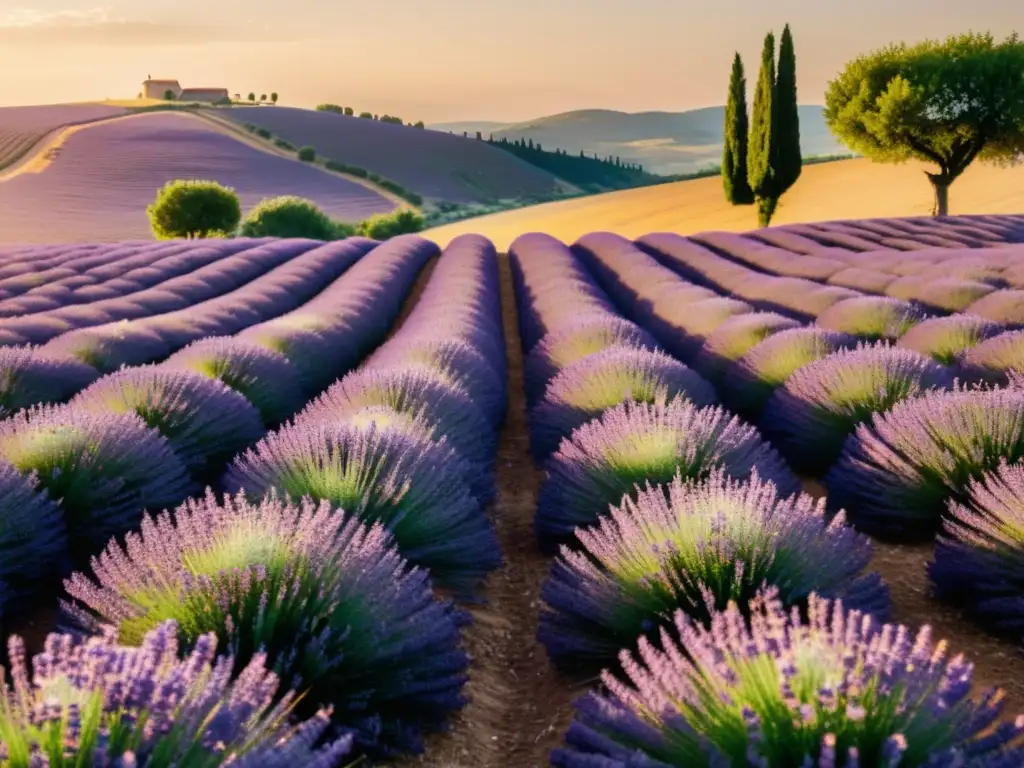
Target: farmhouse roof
x=211, y=88
x=160, y=82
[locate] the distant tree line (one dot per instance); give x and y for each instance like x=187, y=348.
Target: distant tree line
x=349, y=112
x=588, y=172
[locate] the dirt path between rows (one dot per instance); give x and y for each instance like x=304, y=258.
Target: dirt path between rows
x=519, y=706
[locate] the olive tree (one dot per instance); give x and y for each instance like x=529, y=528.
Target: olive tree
x=947, y=103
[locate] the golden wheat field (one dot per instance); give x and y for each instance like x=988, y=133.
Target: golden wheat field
x=847, y=189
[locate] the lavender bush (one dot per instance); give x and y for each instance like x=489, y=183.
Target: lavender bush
x=836, y=691
x=897, y=473
x=811, y=415
x=264, y=377
x=380, y=475
x=575, y=341
x=979, y=555
x=872, y=318
x=766, y=367
x=104, y=469
x=637, y=443
x=328, y=600
x=946, y=339
x=588, y=387
x=98, y=704
x=993, y=359
x=733, y=339
x=696, y=548
x=29, y=378
x=205, y=421
x=33, y=539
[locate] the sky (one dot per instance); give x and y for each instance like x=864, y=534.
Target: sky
x=445, y=60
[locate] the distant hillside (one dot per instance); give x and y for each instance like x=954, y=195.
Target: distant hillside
x=663, y=142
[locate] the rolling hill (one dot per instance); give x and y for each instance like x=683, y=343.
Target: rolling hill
x=846, y=189
x=93, y=182
x=664, y=142
x=431, y=164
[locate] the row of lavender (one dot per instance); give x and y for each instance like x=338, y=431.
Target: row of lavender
x=714, y=533
x=342, y=613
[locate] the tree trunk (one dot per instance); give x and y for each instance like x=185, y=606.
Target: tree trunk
x=940, y=183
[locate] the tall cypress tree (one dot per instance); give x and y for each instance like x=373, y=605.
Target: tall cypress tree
x=786, y=121
x=760, y=152
x=734, y=151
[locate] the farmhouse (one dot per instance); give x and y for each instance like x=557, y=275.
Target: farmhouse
x=157, y=89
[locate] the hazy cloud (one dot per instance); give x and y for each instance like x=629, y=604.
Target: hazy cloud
x=101, y=26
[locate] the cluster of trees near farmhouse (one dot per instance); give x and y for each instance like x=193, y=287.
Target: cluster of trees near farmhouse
x=350, y=112
x=947, y=103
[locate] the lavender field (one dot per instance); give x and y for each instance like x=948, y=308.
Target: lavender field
x=435, y=165
x=22, y=127
x=102, y=178
x=724, y=499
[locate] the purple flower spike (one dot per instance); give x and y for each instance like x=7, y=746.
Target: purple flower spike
x=946, y=339
x=897, y=473
x=206, y=422
x=447, y=405
x=835, y=691
x=992, y=360
x=265, y=378
x=575, y=341
x=766, y=367
x=810, y=416
x=103, y=469
x=113, y=707
x=29, y=378
x=328, y=601
x=979, y=556
x=33, y=539
x=696, y=547
x=637, y=443
x=406, y=484
x=588, y=387
x=872, y=318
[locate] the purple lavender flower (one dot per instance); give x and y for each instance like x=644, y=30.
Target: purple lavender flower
x=107, y=350
x=575, y=341
x=951, y=294
x=264, y=377
x=733, y=339
x=897, y=473
x=633, y=444
x=766, y=367
x=993, y=359
x=451, y=362
x=205, y=421
x=103, y=469
x=329, y=601
x=409, y=391
x=810, y=416
x=33, y=539
x=979, y=555
x=584, y=390
x=696, y=548
x=836, y=690
x=1006, y=307
x=102, y=705
x=29, y=378
x=872, y=318
x=946, y=339
x=385, y=476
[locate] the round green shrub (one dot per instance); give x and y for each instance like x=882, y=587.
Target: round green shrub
x=194, y=209
x=386, y=225
x=307, y=154
x=288, y=216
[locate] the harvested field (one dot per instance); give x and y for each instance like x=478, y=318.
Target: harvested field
x=846, y=189
x=431, y=164
x=95, y=185
x=22, y=127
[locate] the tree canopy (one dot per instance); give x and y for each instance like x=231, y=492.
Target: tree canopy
x=944, y=102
